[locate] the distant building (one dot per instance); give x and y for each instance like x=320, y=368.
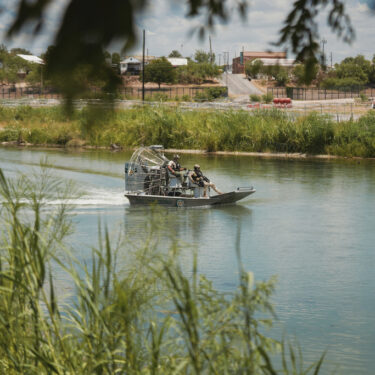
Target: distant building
x=238, y=65
x=177, y=61
x=32, y=59
x=133, y=64
x=130, y=65
x=286, y=63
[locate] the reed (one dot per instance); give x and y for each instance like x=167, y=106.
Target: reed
x=142, y=314
x=259, y=131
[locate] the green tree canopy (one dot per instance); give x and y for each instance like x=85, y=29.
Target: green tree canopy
x=116, y=58
x=354, y=67
x=12, y=65
x=302, y=74
x=201, y=56
x=351, y=72
x=175, y=53
x=253, y=68
x=196, y=72
x=20, y=51
x=159, y=71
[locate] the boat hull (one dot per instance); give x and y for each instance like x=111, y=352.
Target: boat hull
x=173, y=201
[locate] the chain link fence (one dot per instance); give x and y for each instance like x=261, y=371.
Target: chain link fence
x=12, y=92
x=301, y=93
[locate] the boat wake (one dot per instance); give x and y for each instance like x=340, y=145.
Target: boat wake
x=95, y=198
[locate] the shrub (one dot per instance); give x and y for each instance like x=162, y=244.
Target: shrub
x=255, y=98
x=210, y=93
x=160, y=97
x=267, y=98
x=363, y=97
x=196, y=72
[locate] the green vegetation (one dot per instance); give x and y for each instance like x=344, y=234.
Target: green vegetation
x=255, y=98
x=260, y=131
x=175, y=53
x=159, y=71
x=352, y=72
x=210, y=93
x=303, y=73
x=267, y=98
x=252, y=69
x=12, y=65
x=202, y=57
x=196, y=72
x=134, y=309
x=276, y=72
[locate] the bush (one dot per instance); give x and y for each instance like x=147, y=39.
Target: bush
x=363, y=97
x=255, y=98
x=210, y=93
x=160, y=97
x=267, y=98
x=344, y=84
x=196, y=72
x=281, y=76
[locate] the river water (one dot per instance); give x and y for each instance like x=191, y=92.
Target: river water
x=311, y=223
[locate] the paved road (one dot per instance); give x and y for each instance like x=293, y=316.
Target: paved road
x=238, y=84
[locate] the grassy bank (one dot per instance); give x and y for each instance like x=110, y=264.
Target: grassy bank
x=133, y=309
x=263, y=131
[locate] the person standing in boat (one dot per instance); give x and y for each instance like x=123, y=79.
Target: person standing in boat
x=199, y=179
x=174, y=167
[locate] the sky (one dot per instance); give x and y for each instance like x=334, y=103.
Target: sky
x=167, y=29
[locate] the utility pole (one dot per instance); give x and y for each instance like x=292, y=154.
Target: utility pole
x=331, y=60
x=226, y=61
x=143, y=65
x=219, y=59
x=209, y=37
x=324, y=41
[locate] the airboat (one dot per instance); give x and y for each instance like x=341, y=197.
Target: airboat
x=148, y=181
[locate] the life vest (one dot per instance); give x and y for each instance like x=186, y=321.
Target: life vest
x=197, y=177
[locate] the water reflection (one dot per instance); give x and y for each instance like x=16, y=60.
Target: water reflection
x=192, y=225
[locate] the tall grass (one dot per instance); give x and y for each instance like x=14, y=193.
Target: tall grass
x=141, y=315
x=262, y=131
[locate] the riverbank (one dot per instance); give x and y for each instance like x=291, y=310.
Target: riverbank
x=271, y=155
x=270, y=133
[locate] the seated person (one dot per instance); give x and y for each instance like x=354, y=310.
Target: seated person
x=175, y=168
x=202, y=181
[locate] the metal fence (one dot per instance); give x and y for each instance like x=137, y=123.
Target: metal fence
x=9, y=92
x=169, y=92
x=301, y=93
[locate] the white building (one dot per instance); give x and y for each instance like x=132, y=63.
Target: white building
x=177, y=61
x=32, y=59
x=130, y=65
x=287, y=63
